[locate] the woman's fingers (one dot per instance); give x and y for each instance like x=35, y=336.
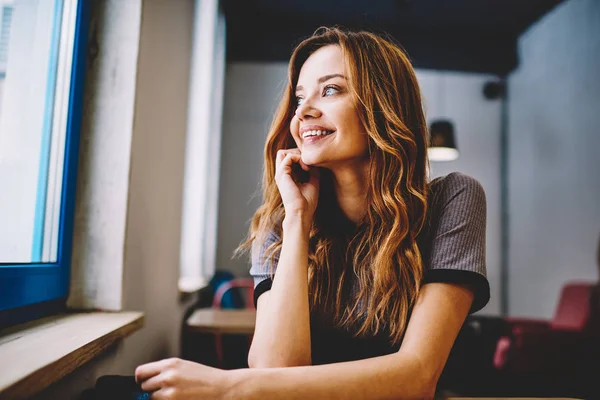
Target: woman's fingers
x=282, y=153
x=291, y=158
x=152, y=384
x=285, y=166
x=304, y=166
x=149, y=370
x=162, y=394
x=296, y=157
x=297, y=192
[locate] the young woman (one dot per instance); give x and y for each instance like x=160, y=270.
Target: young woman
x=364, y=270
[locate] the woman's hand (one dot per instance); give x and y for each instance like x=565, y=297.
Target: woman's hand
x=298, y=197
x=176, y=379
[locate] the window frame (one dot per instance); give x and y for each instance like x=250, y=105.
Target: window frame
x=32, y=290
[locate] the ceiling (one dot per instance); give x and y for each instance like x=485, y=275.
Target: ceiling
x=460, y=35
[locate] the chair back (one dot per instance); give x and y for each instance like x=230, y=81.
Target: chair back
x=246, y=284
x=573, y=312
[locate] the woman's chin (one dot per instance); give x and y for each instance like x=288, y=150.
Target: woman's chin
x=317, y=159
x=314, y=162
x=310, y=160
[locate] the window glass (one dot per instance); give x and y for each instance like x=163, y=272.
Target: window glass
x=36, y=51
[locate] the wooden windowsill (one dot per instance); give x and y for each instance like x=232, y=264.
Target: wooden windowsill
x=189, y=285
x=39, y=353
x=190, y=288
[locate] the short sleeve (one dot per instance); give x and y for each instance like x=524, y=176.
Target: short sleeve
x=454, y=244
x=261, y=265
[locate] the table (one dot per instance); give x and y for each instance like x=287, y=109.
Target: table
x=212, y=320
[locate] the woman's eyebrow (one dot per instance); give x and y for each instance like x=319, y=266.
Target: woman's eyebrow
x=322, y=79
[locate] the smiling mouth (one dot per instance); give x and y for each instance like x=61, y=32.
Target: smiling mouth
x=316, y=134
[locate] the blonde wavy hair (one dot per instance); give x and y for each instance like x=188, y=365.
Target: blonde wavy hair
x=367, y=278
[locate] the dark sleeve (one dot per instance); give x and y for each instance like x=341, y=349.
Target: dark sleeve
x=261, y=266
x=455, y=252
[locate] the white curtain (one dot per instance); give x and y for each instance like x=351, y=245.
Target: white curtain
x=203, y=148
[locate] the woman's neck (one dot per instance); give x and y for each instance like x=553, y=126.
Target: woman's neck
x=350, y=185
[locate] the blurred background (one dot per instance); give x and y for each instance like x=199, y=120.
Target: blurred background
x=176, y=103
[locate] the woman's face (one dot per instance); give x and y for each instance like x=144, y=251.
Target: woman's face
x=326, y=126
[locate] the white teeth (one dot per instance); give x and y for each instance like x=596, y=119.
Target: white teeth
x=315, y=133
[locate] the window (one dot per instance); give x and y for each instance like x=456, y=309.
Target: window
x=203, y=149
x=42, y=59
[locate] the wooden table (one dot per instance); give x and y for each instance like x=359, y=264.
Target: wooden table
x=212, y=320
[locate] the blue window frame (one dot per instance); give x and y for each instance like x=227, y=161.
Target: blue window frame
x=36, y=281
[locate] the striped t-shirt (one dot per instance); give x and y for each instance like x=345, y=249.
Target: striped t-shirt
x=452, y=245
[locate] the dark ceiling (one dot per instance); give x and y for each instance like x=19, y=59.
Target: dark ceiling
x=460, y=35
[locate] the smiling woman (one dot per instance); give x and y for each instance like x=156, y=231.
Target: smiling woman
x=365, y=271
x=328, y=100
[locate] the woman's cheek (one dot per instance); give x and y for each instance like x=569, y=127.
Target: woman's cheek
x=294, y=123
x=294, y=128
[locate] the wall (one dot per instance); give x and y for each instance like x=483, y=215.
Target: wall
x=459, y=96
x=2, y=84
x=252, y=92
x=104, y=168
x=554, y=189
x=155, y=187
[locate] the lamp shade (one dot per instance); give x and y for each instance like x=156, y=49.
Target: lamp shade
x=442, y=144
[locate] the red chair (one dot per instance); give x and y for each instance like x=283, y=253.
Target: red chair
x=557, y=351
x=245, y=284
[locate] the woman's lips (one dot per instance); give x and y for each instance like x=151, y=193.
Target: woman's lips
x=316, y=139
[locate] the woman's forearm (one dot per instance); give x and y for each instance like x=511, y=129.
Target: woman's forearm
x=282, y=335
x=394, y=376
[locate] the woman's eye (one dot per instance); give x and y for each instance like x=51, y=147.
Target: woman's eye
x=299, y=101
x=330, y=90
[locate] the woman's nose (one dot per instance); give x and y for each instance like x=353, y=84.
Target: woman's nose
x=307, y=110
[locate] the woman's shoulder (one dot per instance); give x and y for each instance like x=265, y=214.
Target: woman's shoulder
x=261, y=257
x=455, y=189
x=263, y=241
x=452, y=242
x=454, y=181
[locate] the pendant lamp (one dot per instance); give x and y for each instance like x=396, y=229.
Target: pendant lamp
x=442, y=142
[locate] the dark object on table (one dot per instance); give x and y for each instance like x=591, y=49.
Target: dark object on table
x=116, y=387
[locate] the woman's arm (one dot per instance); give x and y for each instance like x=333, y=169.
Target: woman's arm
x=412, y=372
x=282, y=333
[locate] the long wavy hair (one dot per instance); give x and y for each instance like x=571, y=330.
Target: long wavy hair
x=367, y=278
